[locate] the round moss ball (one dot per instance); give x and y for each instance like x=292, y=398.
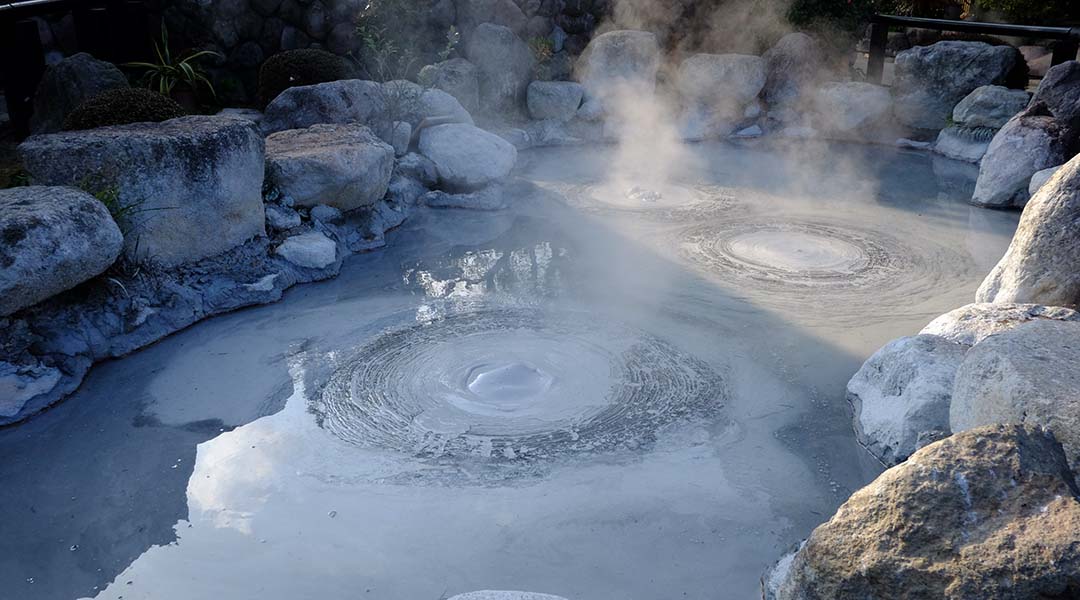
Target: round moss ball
x=122, y=106
x=293, y=68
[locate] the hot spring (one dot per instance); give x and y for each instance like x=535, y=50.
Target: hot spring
x=620, y=387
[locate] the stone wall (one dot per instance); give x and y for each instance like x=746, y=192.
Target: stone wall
x=245, y=32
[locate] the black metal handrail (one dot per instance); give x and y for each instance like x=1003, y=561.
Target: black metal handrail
x=1066, y=49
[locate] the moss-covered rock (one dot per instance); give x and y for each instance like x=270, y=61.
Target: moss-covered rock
x=291, y=68
x=121, y=107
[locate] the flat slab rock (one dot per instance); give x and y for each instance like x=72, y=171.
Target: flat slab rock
x=51, y=239
x=973, y=323
x=312, y=250
x=988, y=513
x=194, y=183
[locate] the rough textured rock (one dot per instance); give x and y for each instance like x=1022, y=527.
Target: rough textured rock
x=53, y=238
x=467, y=157
x=504, y=66
x=793, y=66
x=972, y=323
x=343, y=166
x=558, y=100
x=619, y=62
x=489, y=198
x=504, y=595
x=851, y=107
x=1026, y=375
x=66, y=84
x=418, y=167
x=901, y=395
x=194, y=183
x=968, y=144
x=724, y=84
x=19, y=384
x=312, y=250
x=346, y=101
x=989, y=106
x=280, y=218
x=472, y=13
x=931, y=80
x=1042, y=264
x=989, y=513
x=1028, y=143
x=457, y=77
x=1059, y=91
x=400, y=137
x=1039, y=179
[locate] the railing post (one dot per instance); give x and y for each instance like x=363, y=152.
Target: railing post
x=875, y=65
x=1065, y=50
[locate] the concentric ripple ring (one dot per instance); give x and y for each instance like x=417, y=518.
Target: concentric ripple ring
x=514, y=384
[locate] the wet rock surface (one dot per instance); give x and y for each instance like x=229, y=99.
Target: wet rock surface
x=1025, y=375
x=1040, y=265
x=193, y=185
x=51, y=239
x=988, y=513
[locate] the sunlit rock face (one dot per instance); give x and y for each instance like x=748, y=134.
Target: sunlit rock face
x=989, y=513
x=511, y=384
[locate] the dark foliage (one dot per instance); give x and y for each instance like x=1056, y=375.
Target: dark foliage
x=293, y=68
x=122, y=106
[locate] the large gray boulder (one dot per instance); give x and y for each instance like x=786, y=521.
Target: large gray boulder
x=311, y=250
x=619, y=64
x=973, y=323
x=1026, y=375
x=472, y=13
x=901, y=395
x=457, y=77
x=1042, y=264
x=343, y=166
x=193, y=185
x=989, y=106
x=467, y=157
x=1041, y=178
x=345, y=101
x=1059, y=91
x=726, y=83
x=53, y=238
x=931, y=80
x=408, y=102
x=1028, y=143
x=504, y=66
x=989, y=513
x=66, y=84
x=557, y=100
x=851, y=109
x=793, y=67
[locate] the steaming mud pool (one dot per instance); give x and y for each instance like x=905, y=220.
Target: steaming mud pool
x=616, y=389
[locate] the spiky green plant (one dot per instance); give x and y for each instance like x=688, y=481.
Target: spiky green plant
x=165, y=74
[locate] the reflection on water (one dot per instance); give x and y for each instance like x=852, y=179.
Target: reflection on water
x=594, y=401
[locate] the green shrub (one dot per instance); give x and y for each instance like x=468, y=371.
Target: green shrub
x=122, y=106
x=293, y=68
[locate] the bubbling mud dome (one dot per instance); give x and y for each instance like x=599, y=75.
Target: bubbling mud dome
x=832, y=263
x=514, y=385
x=666, y=202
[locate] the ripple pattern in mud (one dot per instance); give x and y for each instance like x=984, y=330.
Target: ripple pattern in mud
x=664, y=203
x=807, y=261
x=514, y=385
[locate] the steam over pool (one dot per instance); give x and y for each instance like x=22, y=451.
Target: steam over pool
x=613, y=389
